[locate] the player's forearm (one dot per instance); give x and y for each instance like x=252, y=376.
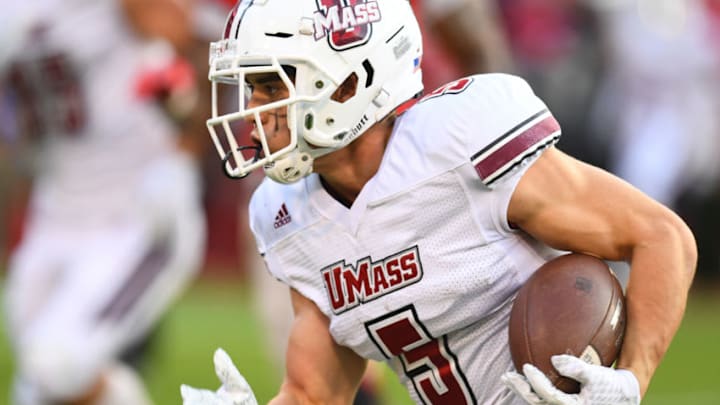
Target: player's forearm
x=662, y=271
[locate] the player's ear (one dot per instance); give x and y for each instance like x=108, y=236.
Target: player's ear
x=347, y=89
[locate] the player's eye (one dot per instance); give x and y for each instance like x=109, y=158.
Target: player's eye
x=271, y=89
x=265, y=88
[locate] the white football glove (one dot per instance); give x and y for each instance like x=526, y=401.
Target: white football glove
x=234, y=390
x=598, y=385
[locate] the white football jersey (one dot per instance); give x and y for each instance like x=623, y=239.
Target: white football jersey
x=71, y=74
x=421, y=271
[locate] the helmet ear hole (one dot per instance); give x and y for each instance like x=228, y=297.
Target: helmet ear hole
x=346, y=90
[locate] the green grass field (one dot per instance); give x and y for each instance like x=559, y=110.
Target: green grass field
x=217, y=313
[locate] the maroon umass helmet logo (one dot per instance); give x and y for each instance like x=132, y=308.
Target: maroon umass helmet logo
x=346, y=23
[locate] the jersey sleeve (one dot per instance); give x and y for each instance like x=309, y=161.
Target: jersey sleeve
x=505, y=125
x=520, y=126
x=490, y=128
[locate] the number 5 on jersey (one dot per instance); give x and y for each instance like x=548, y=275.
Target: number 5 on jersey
x=427, y=361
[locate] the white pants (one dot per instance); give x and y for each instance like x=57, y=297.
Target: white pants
x=78, y=296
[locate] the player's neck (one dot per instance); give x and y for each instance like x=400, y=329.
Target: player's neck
x=346, y=171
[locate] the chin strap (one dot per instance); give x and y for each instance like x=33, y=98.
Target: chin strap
x=287, y=169
x=225, y=161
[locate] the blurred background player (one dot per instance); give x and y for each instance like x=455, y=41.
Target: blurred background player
x=660, y=91
x=104, y=98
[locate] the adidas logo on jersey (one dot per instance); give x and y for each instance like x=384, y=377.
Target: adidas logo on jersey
x=283, y=217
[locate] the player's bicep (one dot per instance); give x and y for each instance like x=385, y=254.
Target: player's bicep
x=573, y=206
x=318, y=369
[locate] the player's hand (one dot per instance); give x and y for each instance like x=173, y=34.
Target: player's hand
x=170, y=80
x=234, y=390
x=598, y=385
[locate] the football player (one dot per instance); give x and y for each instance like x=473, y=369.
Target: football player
x=115, y=231
x=404, y=226
x=478, y=45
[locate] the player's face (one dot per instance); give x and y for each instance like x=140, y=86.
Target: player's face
x=265, y=88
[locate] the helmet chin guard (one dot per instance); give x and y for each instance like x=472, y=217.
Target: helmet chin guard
x=296, y=164
x=325, y=42
x=290, y=168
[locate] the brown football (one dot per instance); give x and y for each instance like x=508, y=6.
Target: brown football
x=572, y=304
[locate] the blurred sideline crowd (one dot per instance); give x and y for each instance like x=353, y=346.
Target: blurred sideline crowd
x=635, y=85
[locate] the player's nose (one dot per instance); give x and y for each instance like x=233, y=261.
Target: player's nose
x=254, y=119
x=254, y=102
x=255, y=136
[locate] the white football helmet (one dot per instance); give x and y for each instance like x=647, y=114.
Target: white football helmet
x=325, y=41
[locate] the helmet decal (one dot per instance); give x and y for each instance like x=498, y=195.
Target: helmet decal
x=231, y=17
x=346, y=23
